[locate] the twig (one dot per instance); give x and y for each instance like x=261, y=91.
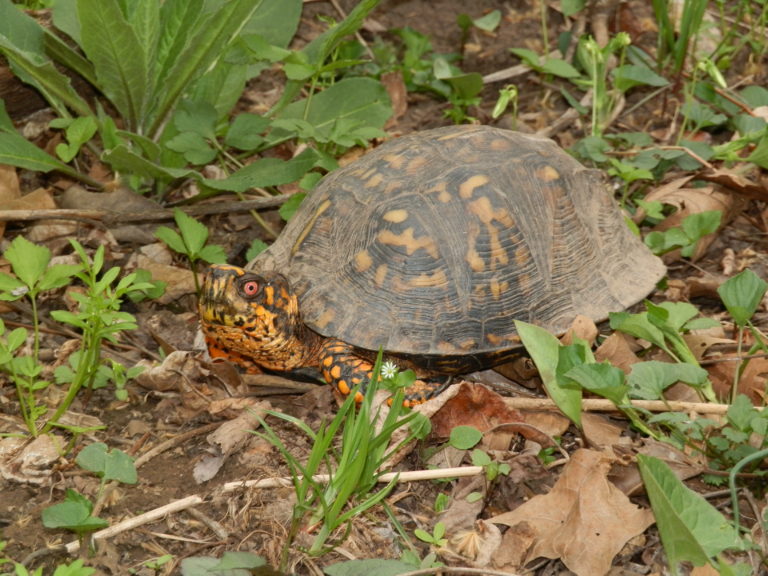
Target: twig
x=110, y=217
x=601, y=405
x=189, y=501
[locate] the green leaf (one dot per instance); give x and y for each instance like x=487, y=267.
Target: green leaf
x=193, y=146
x=276, y=20
x=23, y=41
x=78, y=132
x=289, y=207
x=742, y=294
x=16, y=150
x=257, y=247
x=465, y=437
x=543, y=348
x=205, y=41
x=602, y=379
x=119, y=58
x=194, y=233
x=639, y=326
x=268, y=172
x=11, y=287
x=363, y=100
x=759, y=155
x=232, y=560
x=560, y=68
x=213, y=254
x=59, y=275
x=28, y=260
x=691, y=529
x=648, y=380
x=172, y=238
x=372, y=567
x=246, y=131
x=73, y=514
x=631, y=75
x=107, y=464
x=489, y=22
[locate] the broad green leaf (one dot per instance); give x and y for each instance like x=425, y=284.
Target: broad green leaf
x=28, y=260
x=691, y=529
x=673, y=314
x=107, y=464
x=489, y=22
x=465, y=437
x=257, y=247
x=361, y=99
x=6, y=124
x=124, y=159
x=11, y=287
x=59, y=275
x=246, y=131
x=232, y=560
x=118, y=57
x=267, y=172
x=648, y=380
x=39, y=45
x=602, y=379
x=73, y=514
x=206, y=44
x=194, y=233
x=637, y=325
x=171, y=238
x=543, y=348
x=276, y=21
x=193, y=146
x=177, y=19
x=742, y=294
x=40, y=72
x=560, y=68
x=213, y=254
x=372, y=567
x=289, y=207
x=631, y=75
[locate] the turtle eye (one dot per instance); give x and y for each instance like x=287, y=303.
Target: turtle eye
x=250, y=288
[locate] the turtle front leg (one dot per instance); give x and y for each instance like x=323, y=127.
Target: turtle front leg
x=343, y=368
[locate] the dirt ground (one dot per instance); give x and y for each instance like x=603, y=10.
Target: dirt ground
x=178, y=419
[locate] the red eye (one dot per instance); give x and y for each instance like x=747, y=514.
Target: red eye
x=250, y=288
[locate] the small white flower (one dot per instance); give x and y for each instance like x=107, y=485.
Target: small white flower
x=389, y=369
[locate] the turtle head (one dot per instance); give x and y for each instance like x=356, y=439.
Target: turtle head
x=251, y=318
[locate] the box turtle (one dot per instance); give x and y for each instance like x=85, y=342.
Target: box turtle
x=429, y=247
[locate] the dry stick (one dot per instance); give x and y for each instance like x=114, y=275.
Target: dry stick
x=189, y=501
x=111, y=217
x=601, y=405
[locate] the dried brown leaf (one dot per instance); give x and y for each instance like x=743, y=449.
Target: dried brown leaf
x=475, y=405
x=585, y=520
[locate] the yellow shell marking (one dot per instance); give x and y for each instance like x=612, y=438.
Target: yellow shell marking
x=475, y=261
x=363, y=261
x=484, y=210
x=376, y=179
x=467, y=188
x=381, y=275
x=429, y=280
x=407, y=240
x=547, y=174
x=325, y=318
x=396, y=216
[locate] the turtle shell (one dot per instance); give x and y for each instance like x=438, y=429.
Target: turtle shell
x=435, y=242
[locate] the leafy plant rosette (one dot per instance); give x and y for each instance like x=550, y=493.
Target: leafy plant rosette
x=166, y=76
